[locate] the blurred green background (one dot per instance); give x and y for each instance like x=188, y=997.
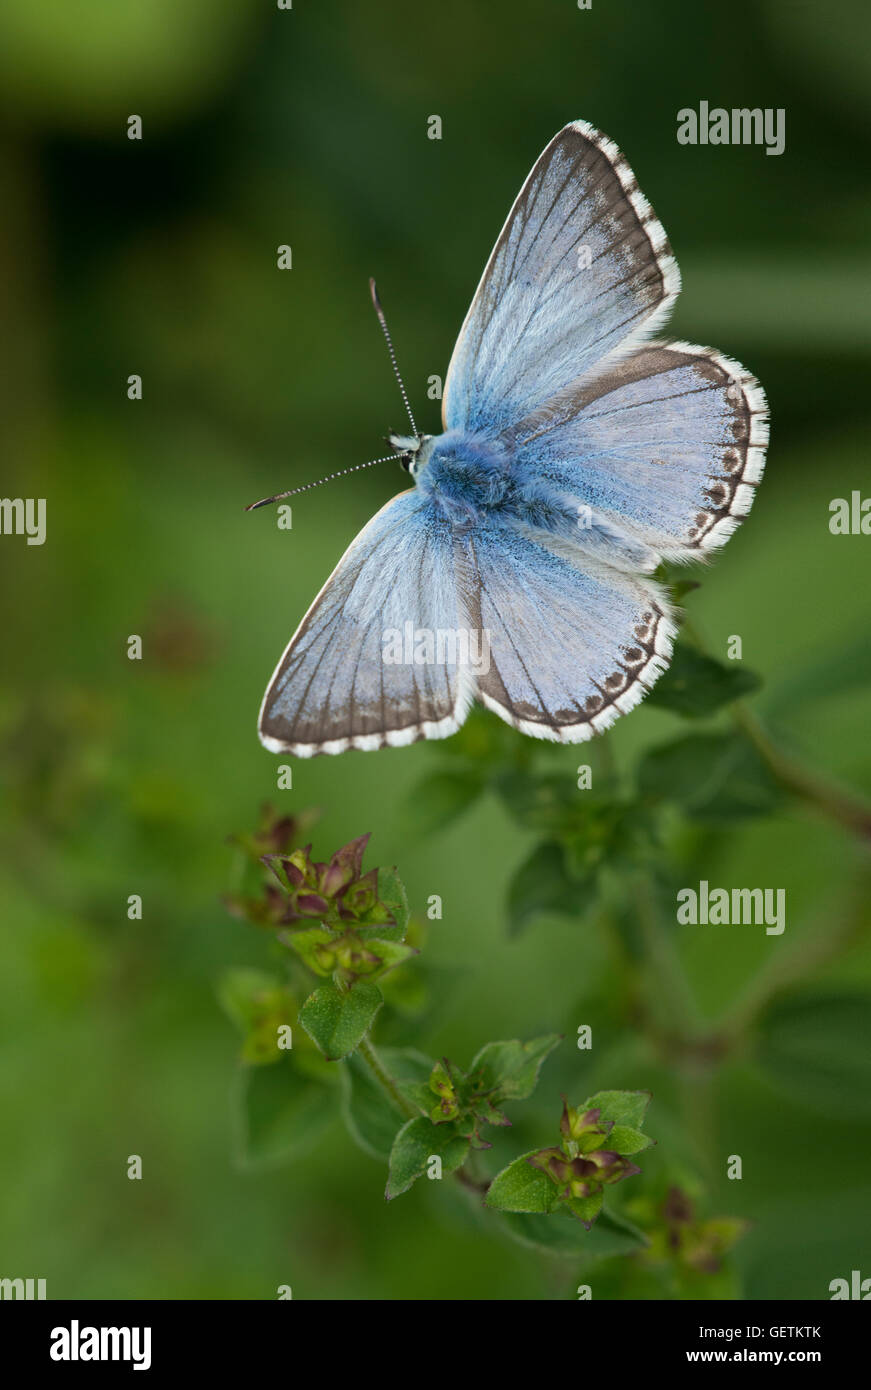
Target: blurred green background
x=158, y=257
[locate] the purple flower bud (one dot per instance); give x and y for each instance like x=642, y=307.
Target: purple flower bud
x=311, y=905
x=361, y=896
x=344, y=868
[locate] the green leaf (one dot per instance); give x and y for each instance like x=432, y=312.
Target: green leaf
x=419, y=1093
x=391, y=892
x=586, y=1209
x=390, y=953
x=275, y=864
x=420, y=991
x=815, y=1048
x=696, y=685
x=563, y=1234
x=441, y=798
x=306, y=942
x=510, y=1070
x=337, y=1019
x=548, y=802
x=389, y=918
x=278, y=1113
x=520, y=1187
x=625, y=1140
x=838, y=669
x=370, y=1115
x=259, y=1004
x=715, y=778
x=542, y=886
x=608, y=834
x=240, y=993
x=483, y=742
x=416, y=1143
x=623, y=1107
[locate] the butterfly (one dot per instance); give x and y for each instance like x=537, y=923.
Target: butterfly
x=578, y=453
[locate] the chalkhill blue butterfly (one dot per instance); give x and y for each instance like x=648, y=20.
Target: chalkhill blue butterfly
x=577, y=454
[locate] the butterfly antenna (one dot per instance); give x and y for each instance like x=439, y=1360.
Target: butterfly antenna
x=264, y=501
x=373, y=290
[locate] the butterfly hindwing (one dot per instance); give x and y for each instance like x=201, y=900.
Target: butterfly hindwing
x=336, y=685
x=667, y=443
x=581, y=267
x=569, y=649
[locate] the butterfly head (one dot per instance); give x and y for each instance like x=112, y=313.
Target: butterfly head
x=407, y=448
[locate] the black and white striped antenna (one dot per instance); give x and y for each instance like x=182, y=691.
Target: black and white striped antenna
x=386, y=458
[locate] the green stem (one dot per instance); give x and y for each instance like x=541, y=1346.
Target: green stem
x=816, y=948
x=388, y=1084
x=674, y=1001
x=828, y=797
x=468, y=1178
x=385, y=1080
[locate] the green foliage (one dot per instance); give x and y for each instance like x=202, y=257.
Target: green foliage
x=541, y=884
x=424, y=1116
x=501, y=1071
x=561, y=1233
x=696, y=685
x=260, y=1005
x=279, y=1112
x=442, y=797
x=371, y=1114
x=416, y=1144
x=602, y=847
x=715, y=779
x=522, y=1187
x=592, y=1154
x=686, y=1254
x=399, y=1104
x=815, y=1045
x=456, y=1104
x=620, y=1107
x=338, y=1019
x=586, y=835
x=509, y=1070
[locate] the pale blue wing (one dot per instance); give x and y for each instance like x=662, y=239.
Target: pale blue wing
x=667, y=445
x=582, y=267
x=343, y=681
x=569, y=649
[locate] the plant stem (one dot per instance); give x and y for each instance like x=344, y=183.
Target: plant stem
x=674, y=999
x=828, y=797
x=817, y=946
x=389, y=1086
x=466, y=1177
x=385, y=1080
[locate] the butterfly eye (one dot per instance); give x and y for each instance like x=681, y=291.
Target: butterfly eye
x=407, y=461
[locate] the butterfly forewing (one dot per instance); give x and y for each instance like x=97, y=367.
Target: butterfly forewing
x=349, y=678
x=581, y=267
